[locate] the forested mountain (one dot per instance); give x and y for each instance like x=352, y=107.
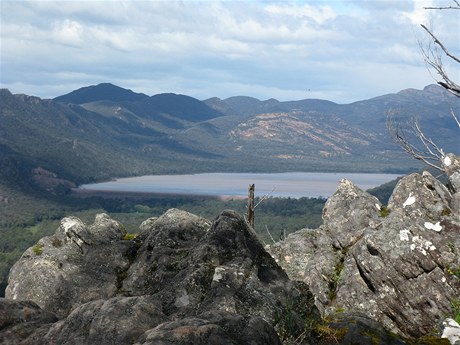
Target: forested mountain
x=102, y=131
x=104, y=91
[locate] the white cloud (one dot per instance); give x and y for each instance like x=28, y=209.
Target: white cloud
x=68, y=32
x=319, y=14
x=342, y=50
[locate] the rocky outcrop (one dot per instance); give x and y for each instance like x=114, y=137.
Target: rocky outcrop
x=77, y=264
x=398, y=265
x=182, y=280
x=370, y=271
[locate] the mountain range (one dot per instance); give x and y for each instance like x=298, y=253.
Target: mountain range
x=102, y=131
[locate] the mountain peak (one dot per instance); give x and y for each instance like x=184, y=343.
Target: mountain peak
x=182, y=106
x=100, y=92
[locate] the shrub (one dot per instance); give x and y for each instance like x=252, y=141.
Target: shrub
x=38, y=249
x=128, y=236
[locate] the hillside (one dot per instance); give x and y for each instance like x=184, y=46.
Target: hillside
x=102, y=131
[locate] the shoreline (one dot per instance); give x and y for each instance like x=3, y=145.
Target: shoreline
x=107, y=194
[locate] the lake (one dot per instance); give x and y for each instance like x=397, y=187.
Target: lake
x=292, y=184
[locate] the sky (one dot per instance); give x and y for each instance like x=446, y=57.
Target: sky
x=343, y=51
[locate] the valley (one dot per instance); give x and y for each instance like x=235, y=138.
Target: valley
x=93, y=134
x=103, y=131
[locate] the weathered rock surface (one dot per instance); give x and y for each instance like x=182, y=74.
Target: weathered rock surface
x=217, y=328
x=353, y=328
x=20, y=319
x=183, y=280
x=398, y=265
x=77, y=264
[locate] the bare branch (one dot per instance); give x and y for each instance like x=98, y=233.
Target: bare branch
x=269, y=234
x=443, y=8
x=454, y=116
x=456, y=7
x=433, y=58
x=438, y=42
x=264, y=197
x=427, y=142
x=411, y=137
x=430, y=153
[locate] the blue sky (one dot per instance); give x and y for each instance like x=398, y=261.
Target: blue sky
x=342, y=51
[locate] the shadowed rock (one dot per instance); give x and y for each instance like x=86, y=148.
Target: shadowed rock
x=20, y=319
x=182, y=280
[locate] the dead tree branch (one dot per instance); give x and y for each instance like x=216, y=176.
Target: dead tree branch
x=455, y=7
x=269, y=233
x=439, y=43
x=264, y=197
x=427, y=151
x=433, y=57
x=410, y=136
x=250, y=206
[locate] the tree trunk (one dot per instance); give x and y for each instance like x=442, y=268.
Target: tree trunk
x=251, y=205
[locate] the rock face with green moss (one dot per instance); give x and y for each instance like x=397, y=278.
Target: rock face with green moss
x=399, y=265
x=182, y=280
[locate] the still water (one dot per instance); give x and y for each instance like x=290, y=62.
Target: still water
x=293, y=184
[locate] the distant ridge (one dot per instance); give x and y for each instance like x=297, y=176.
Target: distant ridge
x=102, y=131
x=165, y=107
x=101, y=92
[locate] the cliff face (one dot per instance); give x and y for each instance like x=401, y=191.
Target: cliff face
x=367, y=270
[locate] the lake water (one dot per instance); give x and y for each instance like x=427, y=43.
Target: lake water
x=293, y=184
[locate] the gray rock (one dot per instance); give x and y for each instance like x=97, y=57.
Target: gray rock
x=180, y=281
x=166, y=243
x=421, y=197
x=451, y=165
x=348, y=212
x=118, y=320
x=397, y=268
x=353, y=328
x=217, y=328
x=76, y=265
x=147, y=224
x=20, y=319
x=224, y=268
x=104, y=229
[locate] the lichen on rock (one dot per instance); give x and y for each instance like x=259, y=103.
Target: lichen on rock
x=393, y=269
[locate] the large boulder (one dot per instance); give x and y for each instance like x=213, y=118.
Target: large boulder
x=77, y=264
x=398, y=265
x=182, y=280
